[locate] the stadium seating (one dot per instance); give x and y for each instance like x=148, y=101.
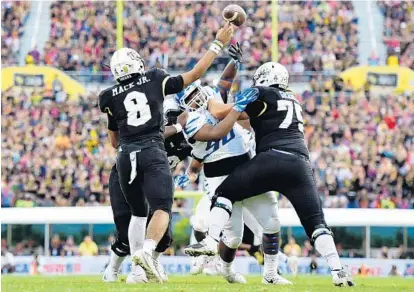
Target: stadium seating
x=311, y=36
x=398, y=30
x=13, y=17
x=362, y=152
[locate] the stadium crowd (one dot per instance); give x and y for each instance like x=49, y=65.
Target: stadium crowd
x=313, y=35
x=399, y=30
x=56, y=152
x=13, y=16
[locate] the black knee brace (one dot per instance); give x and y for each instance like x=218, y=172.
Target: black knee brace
x=215, y=202
x=121, y=249
x=271, y=243
x=320, y=230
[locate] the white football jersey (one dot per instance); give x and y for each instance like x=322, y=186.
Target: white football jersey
x=229, y=146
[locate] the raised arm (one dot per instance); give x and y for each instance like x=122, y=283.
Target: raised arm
x=227, y=77
x=222, y=38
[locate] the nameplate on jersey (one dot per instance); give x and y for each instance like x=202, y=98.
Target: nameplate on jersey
x=287, y=95
x=122, y=88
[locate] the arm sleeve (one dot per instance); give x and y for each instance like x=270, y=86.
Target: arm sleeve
x=195, y=122
x=112, y=124
x=173, y=85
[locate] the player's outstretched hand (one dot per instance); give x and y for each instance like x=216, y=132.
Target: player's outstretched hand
x=182, y=180
x=243, y=98
x=225, y=33
x=235, y=52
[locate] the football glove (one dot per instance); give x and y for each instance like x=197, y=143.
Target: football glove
x=243, y=98
x=182, y=180
x=235, y=52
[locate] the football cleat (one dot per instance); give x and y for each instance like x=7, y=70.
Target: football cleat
x=198, y=264
x=109, y=275
x=228, y=273
x=137, y=275
x=342, y=279
x=207, y=246
x=275, y=279
x=235, y=278
x=149, y=264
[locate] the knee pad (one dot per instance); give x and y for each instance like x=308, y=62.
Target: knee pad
x=231, y=242
x=120, y=248
x=272, y=226
x=320, y=230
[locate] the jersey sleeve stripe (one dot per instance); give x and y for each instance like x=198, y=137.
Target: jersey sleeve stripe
x=164, y=82
x=263, y=110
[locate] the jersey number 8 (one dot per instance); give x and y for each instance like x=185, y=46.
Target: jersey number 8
x=139, y=112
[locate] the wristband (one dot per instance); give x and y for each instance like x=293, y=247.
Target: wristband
x=216, y=47
x=178, y=127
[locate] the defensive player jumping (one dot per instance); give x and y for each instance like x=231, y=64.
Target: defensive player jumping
x=281, y=164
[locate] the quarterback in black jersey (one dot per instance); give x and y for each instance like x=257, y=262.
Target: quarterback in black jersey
x=177, y=150
x=135, y=122
x=281, y=164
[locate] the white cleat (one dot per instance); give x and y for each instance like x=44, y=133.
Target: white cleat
x=110, y=275
x=198, y=264
x=161, y=271
x=235, y=278
x=342, y=279
x=228, y=274
x=275, y=279
x=137, y=275
x=150, y=265
x=208, y=246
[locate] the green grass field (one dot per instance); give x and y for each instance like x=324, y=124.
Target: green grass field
x=197, y=283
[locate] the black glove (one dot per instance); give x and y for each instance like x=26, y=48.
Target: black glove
x=236, y=53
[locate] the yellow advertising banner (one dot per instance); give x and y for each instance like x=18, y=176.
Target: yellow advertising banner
x=32, y=76
x=399, y=79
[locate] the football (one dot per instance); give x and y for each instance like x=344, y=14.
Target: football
x=234, y=14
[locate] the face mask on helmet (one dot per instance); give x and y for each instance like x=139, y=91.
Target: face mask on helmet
x=192, y=98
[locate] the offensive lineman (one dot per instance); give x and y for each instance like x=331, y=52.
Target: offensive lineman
x=135, y=105
x=281, y=164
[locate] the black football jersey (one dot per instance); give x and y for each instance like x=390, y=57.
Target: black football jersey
x=135, y=107
x=276, y=117
x=176, y=146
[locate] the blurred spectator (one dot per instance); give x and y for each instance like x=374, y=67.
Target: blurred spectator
x=307, y=249
x=69, y=247
x=292, y=248
x=13, y=16
x=7, y=260
x=56, y=248
x=88, y=247
x=399, y=30
x=384, y=254
x=394, y=271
